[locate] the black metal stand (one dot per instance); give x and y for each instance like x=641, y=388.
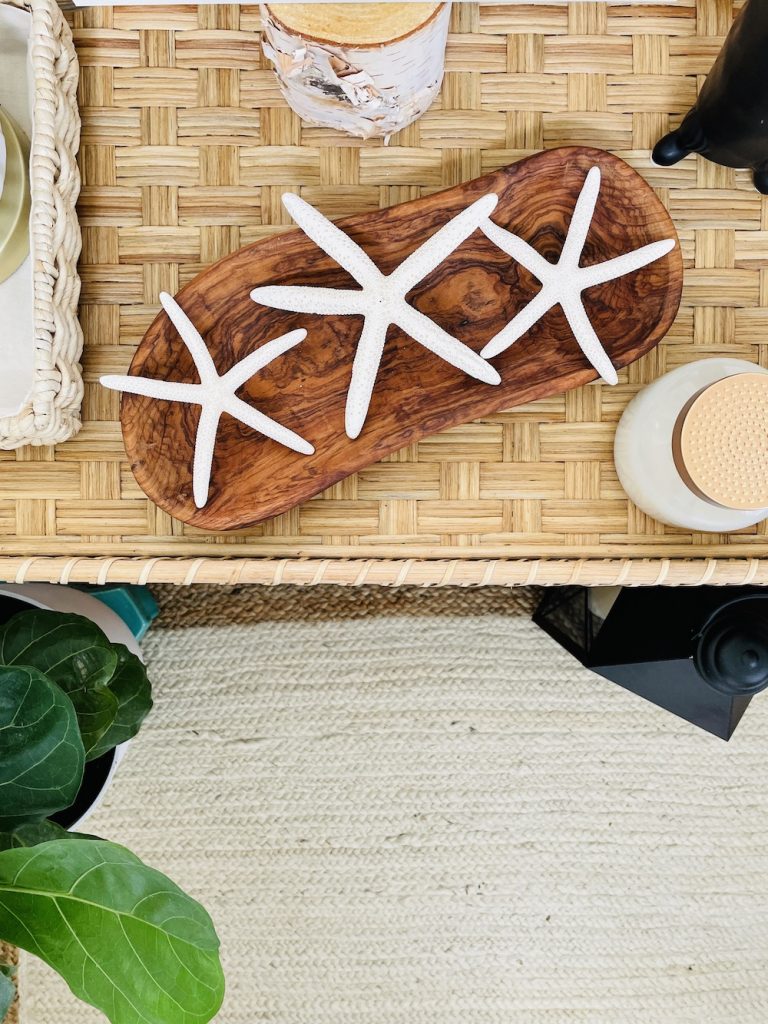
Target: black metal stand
x=700, y=652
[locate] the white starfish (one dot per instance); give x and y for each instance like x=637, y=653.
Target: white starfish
x=215, y=394
x=564, y=281
x=382, y=298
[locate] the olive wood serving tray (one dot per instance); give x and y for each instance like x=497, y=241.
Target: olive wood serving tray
x=472, y=294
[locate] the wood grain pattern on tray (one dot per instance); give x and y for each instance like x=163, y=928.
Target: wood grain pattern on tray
x=473, y=294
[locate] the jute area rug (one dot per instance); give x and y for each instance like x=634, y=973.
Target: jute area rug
x=410, y=807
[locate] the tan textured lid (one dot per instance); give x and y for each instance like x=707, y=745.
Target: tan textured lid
x=724, y=441
x=353, y=24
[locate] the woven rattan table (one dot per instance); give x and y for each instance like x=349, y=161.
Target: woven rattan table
x=186, y=149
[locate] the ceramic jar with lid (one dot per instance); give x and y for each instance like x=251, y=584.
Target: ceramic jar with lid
x=691, y=449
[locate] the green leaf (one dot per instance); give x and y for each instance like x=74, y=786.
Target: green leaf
x=107, y=684
x=133, y=691
x=96, y=714
x=122, y=935
x=70, y=649
x=7, y=989
x=41, y=753
x=32, y=834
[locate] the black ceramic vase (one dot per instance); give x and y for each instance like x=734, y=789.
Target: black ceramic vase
x=729, y=122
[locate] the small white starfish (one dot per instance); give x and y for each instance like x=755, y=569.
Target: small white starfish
x=215, y=394
x=382, y=298
x=564, y=281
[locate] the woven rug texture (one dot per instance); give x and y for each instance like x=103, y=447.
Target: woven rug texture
x=411, y=807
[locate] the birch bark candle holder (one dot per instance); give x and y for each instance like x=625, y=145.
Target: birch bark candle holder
x=365, y=69
x=303, y=358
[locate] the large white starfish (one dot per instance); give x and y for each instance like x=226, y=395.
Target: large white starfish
x=382, y=298
x=564, y=281
x=215, y=394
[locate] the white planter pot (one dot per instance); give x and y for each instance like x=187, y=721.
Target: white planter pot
x=55, y=597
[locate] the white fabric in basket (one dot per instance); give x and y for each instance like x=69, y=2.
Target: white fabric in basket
x=17, y=355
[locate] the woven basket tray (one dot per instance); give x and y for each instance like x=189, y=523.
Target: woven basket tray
x=52, y=413
x=187, y=146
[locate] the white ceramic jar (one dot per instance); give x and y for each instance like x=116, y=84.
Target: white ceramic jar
x=647, y=465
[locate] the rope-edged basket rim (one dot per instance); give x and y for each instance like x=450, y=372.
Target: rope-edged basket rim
x=387, y=572
x=52, y=413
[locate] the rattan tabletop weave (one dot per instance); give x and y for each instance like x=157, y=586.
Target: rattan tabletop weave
x=186, y=149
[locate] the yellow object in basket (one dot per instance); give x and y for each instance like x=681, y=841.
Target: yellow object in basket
x=14, y=196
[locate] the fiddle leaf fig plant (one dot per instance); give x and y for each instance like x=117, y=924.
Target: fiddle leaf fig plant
x=31, y=834
x=72, y=651
x=133, y=699
x=105, y=682
x=41, y=752
x=124, y=937
x=7, y=989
